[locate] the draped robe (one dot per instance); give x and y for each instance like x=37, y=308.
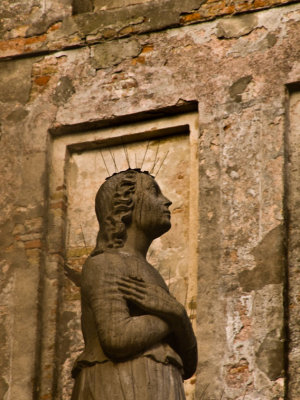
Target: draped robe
x=119, y=361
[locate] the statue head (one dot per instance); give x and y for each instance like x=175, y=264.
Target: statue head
x=130, y=197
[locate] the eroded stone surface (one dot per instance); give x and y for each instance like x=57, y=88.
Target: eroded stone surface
x=15, y=81
x=236, y=26
x=109, y=54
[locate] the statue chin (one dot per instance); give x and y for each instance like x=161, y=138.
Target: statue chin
x=163, y=228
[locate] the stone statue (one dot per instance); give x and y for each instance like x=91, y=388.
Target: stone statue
x=139, y=342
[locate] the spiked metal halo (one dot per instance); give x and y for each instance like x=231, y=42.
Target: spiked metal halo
x=136, y=168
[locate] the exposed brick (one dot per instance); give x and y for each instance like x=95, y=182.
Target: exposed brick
x=33, y=244
x=42, y=80
x=190, y=17
x=148, y=48
x=238, y=374
x=34, y=39
x=54, y=27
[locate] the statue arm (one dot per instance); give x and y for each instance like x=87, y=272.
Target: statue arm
x=185, y=343
x=158, y=302
x=120, y=334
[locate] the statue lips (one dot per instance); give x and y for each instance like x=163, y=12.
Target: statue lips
x=167, y=212
x=166, y=218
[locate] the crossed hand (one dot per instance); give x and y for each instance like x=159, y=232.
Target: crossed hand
x=151, y=298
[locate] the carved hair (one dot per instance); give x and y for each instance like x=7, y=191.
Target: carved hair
x=114, y=205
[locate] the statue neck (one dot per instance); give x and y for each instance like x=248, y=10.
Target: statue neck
x=137, y=243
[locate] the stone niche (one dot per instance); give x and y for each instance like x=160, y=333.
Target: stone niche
x=79, y=164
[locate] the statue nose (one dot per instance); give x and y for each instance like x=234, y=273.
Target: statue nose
x=167, y=202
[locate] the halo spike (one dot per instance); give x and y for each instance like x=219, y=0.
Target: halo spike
x=163, y=160
x=114, y=161
x=148, y=143
x=127, y=156
x=155, y=160
x=126, y=153
x=104, y=162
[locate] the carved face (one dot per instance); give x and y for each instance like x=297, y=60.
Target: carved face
x=151, y=211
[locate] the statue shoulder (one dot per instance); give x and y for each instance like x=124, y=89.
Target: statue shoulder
x=102, y=264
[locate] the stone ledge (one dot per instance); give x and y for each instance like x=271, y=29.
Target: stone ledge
x=90, y=28
x=181, y=107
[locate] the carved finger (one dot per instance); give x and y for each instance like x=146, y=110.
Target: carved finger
x=133, y=299
x=136, y=278
x=130, y=284
x=137, y=281
x=131, y=292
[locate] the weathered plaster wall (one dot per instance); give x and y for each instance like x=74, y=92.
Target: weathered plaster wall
x=237, y=69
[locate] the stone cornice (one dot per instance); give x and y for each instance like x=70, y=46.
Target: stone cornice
x=91, y=28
